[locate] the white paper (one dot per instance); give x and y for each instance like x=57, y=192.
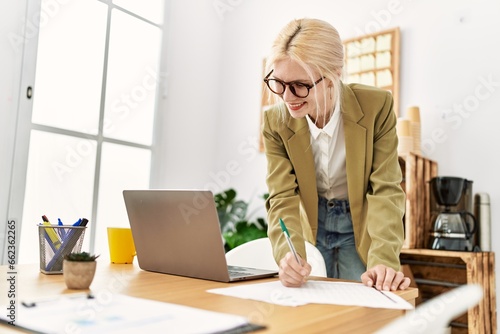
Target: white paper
x=116, y=313
x=319, y=292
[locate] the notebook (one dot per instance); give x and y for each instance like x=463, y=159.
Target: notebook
x=178, y=232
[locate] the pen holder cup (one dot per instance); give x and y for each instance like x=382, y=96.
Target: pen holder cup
x=55, y=243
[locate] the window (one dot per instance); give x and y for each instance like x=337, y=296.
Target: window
x=91, y=132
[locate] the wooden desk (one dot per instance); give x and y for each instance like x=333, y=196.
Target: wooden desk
x=130, y=280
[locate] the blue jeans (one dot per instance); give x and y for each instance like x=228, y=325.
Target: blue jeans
x=335, y=240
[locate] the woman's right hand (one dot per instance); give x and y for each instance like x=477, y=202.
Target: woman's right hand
x=291, y=273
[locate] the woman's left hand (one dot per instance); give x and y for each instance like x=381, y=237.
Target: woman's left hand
x=385, y=278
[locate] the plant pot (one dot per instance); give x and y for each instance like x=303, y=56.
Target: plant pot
x=78, y=274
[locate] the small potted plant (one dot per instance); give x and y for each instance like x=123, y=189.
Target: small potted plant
x=79, y=270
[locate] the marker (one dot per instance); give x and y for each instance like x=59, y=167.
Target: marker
x=60, y=230
x=55, y=242
x=287, y=236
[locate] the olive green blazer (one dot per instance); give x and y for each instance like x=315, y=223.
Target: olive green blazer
x=374, y=176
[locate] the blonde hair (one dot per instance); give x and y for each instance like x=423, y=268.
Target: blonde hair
x=315, y=45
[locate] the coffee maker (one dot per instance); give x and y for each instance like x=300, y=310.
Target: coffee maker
x=454, y=226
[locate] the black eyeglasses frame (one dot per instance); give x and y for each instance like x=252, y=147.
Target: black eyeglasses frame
x=291, y=85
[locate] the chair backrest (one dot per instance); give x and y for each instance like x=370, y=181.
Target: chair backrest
x=259, y=254
x=435, y=315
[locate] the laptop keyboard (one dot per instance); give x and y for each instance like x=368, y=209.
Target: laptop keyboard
x=237, y=271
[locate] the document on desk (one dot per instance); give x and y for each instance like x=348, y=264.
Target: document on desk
x=319, y=292
x=116, y=313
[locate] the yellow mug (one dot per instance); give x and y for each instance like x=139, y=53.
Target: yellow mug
x=121, y=245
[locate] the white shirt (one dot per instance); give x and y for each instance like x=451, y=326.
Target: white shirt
x=328, y=146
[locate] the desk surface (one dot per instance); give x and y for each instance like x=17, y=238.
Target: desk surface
x=130, y=280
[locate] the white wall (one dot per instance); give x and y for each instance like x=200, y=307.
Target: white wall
x=191, y=66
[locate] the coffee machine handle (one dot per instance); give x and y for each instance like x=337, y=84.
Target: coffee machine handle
x=474, y=226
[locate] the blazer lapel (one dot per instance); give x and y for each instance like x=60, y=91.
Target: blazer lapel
x=299, y=145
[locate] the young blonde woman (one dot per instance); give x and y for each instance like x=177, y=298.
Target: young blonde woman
x=333, y=173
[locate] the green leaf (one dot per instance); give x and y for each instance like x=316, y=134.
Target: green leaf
x=244, y=232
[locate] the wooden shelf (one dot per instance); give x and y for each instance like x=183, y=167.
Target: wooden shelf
x=437, y=271
x=373, y=59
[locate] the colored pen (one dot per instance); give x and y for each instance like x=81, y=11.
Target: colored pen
x=287, y=236
x=61, y=230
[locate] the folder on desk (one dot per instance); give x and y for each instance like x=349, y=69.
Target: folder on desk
x=123, y=314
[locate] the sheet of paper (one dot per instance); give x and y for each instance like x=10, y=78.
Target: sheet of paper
x=119, y=313
x=320, y=292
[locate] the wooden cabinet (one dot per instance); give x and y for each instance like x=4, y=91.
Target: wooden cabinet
x=417, y=172
x=437, y=271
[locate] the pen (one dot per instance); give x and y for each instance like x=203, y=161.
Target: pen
x=382, y=292
x=29, y=304
x=287, y=236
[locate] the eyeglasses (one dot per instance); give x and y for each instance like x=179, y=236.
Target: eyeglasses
x=297, y=88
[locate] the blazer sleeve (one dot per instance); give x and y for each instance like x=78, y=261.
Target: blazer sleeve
x=283, y=201
x=385, y=198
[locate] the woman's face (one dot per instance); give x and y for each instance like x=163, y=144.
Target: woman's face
x=298, y=107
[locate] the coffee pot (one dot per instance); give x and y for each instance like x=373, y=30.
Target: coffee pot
x=453, y=229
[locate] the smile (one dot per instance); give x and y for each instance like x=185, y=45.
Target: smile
x=295, y=106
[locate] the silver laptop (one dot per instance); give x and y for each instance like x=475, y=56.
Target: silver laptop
x=178, y=232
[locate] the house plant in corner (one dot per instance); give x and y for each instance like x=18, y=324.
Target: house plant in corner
x=79, y=270
x=237, y=224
